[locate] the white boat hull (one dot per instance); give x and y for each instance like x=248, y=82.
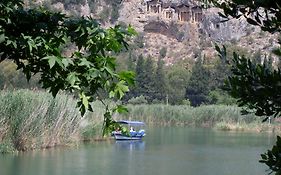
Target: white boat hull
x=123, y=137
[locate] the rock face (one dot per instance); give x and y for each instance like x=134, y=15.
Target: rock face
x=219, y=30
x=183, y=27
x=184, y=39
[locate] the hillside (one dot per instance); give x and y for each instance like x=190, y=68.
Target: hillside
x=185, y=39
x=168, y=24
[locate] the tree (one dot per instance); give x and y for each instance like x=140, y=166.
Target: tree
x=32, y=39
x=131, y=61
x=263, y=13
x=255, y=85
x=219, y=72
x=139, y=88
x=148, y=79
x=177, y=76
x=198, y=86
x=160, y=81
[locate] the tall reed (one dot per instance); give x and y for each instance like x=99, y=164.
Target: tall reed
x=208, y=116
x=34, y=119
x=30, y=119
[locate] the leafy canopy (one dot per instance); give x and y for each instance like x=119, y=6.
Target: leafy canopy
x=255, y=85
x=263, y=13
x=33, y=39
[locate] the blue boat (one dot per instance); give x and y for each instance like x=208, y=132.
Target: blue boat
x=136, y=130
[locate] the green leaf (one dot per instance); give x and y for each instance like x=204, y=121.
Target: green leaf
x=66, y=62
x=84, y=100
x=120, y=89
x=111, y=94
x=131, y=30
x=31, y=44
x=9, y=42
x=109, y=71
x=72, y=78
x=121, y=109
x=128, y=76
x=85, y=62
x=52, y=60
x=82, y=110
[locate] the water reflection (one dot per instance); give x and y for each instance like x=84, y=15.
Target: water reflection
x=130, y=145
x=163, y=151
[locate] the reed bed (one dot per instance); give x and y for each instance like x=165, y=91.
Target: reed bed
x=221, y=117
x=32, y=119
x=202, y=116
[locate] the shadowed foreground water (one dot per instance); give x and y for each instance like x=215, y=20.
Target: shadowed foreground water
x=164, y=151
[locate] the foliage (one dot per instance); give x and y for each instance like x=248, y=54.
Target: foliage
x=204, y=115
x=272, y=158
x=131, y=61
x=138, y=100
x=160, y=81
x=256, y=86
x=139, y=76
x=32, y=38
x=10, y=78
x=186, y=102
x=257, y=57
x=177, y=77
x=263, y=13
x=148, y=77
x=198, y=85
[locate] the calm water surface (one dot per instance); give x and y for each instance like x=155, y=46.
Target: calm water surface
x=164, y=151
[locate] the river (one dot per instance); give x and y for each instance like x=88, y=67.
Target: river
x=164, y=151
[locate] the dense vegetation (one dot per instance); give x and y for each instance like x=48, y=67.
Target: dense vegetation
x=34, y=119
x=155, y=82
x=185, y=82
x=34, y=38
x=255, y=85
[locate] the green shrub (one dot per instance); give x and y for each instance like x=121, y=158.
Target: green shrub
x=138, y=100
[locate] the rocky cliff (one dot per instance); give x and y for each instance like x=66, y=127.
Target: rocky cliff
x=185, y=39
x=168, y=24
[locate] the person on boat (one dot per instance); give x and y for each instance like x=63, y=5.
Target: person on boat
x=132, y=131
x=118, y=130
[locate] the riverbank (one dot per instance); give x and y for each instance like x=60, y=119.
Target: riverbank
x=35, y=120
x=220, y=117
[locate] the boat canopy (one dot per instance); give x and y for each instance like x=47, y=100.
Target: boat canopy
x=132, y=123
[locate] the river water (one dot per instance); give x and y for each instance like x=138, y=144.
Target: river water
x=164, y=151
